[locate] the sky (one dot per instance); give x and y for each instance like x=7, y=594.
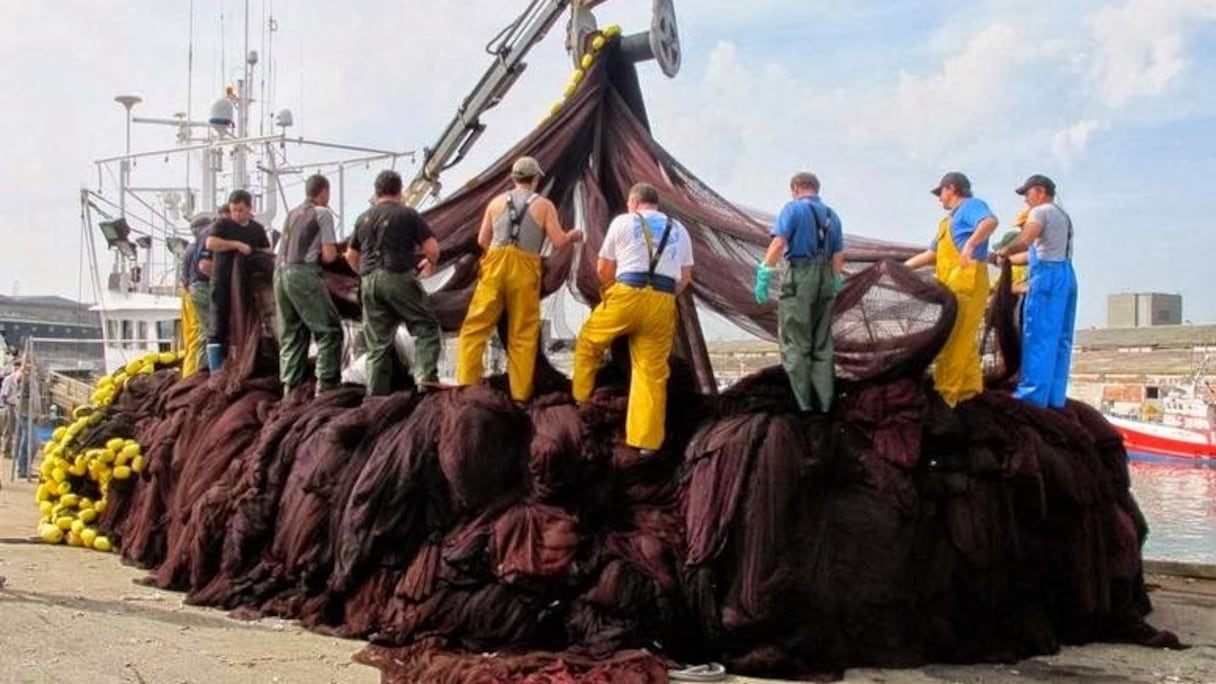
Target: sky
x=1111, y=98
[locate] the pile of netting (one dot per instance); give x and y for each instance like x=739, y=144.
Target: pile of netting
x=471, y=539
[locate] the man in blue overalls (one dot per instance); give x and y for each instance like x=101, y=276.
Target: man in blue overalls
x=1050, y=312
x=810, y=237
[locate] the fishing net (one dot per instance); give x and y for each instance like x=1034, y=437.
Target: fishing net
x=453, y=524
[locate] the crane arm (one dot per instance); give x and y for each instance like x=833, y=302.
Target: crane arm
x=508, y=49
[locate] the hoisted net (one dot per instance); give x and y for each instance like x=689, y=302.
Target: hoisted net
x=888, y=533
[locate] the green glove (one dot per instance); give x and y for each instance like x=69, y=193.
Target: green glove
x=837, y=283
x=763, y=275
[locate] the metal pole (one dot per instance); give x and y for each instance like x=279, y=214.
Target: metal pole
x=341, y=198
x=124, y=175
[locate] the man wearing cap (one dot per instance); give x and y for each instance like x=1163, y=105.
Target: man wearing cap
x=512, y=235
x=384, y=251
x=809, y=236
x=1050, y=311
x=1018, y=274
x=959, y=253
x=194, y=317
x=303, y=306
x=644, y=264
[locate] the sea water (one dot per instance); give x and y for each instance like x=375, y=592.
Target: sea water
x=1179, y=501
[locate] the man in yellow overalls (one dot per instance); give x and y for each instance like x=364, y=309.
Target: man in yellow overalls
x=959, y=252
x=1020, y=278
x=513, y=232
x=194, y=322
x=644, y=264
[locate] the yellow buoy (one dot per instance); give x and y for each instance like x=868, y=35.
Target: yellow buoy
x=102, y=544
x=51, y=534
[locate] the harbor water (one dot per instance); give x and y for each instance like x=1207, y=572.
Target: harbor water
x=1179, y=501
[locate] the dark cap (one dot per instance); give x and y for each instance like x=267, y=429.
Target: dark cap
x=956, y=180
x=1038, y=180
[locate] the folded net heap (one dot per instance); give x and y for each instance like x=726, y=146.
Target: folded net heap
x=893, y=532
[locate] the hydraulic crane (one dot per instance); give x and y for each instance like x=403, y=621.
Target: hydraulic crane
x=508, y=50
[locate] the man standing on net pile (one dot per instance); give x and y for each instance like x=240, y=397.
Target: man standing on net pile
x=194, y=319
x=1050, y=311
x=809, y=236
x=384, y=251
x=303, y=307
x=644, y=264
x=201, y=267
x=959, y=252
x=512, y=235
x=237, y=234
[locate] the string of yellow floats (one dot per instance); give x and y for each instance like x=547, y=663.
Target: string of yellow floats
x=75, y=476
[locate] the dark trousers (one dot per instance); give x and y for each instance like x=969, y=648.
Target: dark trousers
x=805, y=314
x=303, y=309
x=390, y=299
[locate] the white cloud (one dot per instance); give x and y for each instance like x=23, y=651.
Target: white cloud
x=975, y=97
x=1068, y=143
x=1142, y=45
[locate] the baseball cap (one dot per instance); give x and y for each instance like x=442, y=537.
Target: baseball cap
x=526, y=167
x=1007, y=238
x=956, y=179
x=1038, y=180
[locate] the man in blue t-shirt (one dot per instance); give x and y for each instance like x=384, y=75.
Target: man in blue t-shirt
x=808, y=235
x=959, y=252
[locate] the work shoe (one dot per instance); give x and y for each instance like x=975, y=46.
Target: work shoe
x=428, y=386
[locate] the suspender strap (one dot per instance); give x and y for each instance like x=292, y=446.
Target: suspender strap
x=1068, y=249
x=822, y=227
x=655, y=255
x=516, y=217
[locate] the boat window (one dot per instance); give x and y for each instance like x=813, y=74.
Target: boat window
x=128, y=333
x=165, y=334
x=143, y=331
x=1152, y=392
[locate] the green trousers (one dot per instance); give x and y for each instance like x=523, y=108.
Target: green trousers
x=303, y=309
x=805, y=311
x=390, y=299
x=200, y=294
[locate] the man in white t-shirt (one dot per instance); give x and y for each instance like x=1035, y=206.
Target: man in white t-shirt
x=644, y=264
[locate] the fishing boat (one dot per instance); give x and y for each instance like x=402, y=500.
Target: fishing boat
x=235, y=146
x=1186, y=428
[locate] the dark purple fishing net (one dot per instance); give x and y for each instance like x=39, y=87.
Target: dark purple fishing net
x=892, y=532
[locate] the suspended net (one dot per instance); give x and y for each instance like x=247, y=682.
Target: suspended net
x=888, y=533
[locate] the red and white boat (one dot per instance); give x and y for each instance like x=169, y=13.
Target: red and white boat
x=1187, y=429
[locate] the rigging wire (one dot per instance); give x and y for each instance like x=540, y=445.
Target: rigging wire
x=189, y=91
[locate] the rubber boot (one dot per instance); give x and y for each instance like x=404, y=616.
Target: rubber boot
x=215, y=357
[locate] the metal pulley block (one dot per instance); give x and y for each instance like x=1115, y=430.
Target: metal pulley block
x=661, y=43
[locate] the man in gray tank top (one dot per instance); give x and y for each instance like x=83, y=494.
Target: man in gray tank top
x=302, y=303
x=1050, y=311
x=513, y=233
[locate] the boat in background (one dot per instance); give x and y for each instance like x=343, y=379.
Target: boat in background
x=1187, y=428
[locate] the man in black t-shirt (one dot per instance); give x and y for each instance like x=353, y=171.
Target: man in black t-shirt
x=385, y=252
x=238, y=235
